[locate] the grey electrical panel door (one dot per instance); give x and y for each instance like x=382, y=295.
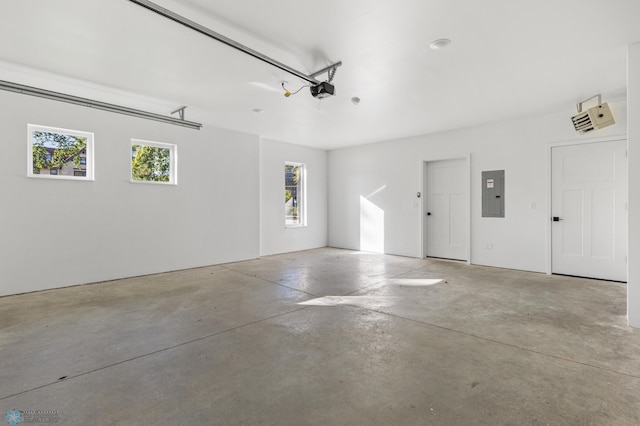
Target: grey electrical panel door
x=493, y=193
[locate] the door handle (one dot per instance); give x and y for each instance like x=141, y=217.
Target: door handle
x=428, y=213
x=556, y=219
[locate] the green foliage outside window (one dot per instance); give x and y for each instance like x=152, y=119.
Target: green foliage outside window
x=67, y=149
x=295, y=171
x=150, y=163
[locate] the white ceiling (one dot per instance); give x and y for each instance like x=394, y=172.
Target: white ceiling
x=508, y=59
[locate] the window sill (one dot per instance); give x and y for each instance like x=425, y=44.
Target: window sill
x=62, y=177
x=151, y=182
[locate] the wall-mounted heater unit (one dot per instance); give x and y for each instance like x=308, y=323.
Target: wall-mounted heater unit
x=593, y=118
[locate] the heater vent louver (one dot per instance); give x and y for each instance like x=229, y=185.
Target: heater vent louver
x=582, y=122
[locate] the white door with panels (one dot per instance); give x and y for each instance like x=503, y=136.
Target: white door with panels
x=589, y=210
x=445, y=208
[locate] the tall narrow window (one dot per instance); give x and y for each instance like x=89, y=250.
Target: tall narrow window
x=153, y=162
x=294, y=194
x=59, y=153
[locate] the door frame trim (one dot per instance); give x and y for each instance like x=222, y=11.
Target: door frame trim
x=550, y=146
x=423, y=207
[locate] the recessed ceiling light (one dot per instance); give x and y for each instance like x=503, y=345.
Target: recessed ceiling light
x=257, y=110
x=441, y=43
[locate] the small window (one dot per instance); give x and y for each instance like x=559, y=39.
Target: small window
x=294, y=194
x=59, y=153
x=154, y=162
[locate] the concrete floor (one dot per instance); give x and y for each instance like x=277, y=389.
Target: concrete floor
x=325, y=337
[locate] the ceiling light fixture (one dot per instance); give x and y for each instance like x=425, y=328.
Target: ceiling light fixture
x=440, y=43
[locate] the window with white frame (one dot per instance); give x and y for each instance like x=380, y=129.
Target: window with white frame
x=154, y=162
x=59, y=153
x=294, y=194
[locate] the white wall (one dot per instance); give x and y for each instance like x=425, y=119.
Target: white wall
x=388, y=174
x=60, y=233
x=274, y=237
x=633, y=96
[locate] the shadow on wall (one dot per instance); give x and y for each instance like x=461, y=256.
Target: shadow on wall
x=371, y=224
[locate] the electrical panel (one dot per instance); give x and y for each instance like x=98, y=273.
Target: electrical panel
x=493, y=193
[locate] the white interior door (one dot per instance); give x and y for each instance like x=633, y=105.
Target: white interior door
x=445, y=209
x=589, y=210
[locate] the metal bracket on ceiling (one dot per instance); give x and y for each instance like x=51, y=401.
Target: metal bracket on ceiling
x=180, y=112
x=232, y=43
x=579, y=104
x=330, y=70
